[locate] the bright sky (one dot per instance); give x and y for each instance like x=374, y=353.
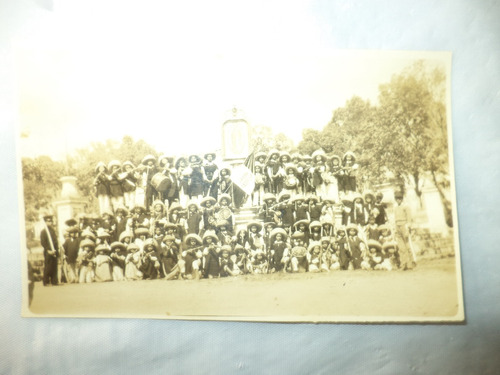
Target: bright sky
x=170, y=72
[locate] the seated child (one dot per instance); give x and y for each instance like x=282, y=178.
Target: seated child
x=228, y=265
x=150, y=266
x=278, y=248
x=373, y=259
x=86, y=261
x=259, y=263
x=103, y=263
x=118, y=255
x=315, y=258
x=298, y=254
x=133, y=262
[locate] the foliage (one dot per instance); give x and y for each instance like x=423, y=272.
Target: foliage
x=40, y=184
x=263, y=139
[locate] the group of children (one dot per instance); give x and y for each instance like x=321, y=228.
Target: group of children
x=171, y=179
x=311, y=218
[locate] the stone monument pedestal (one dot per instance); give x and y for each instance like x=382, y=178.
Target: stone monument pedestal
x=69, y=205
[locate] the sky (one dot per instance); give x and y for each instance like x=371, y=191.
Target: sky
x=170, y=72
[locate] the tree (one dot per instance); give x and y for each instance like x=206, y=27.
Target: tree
x=263, y=139
x=41, y=184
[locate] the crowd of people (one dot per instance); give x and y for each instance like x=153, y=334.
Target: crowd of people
x=311, y=218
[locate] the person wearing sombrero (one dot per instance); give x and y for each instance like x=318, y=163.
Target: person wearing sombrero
x=133, y=262
x=129, y=179
x=150, y=266
x=301, y=208
x=194, y=221
x=208, y=212
x=211, y=175
x=176, y=217
x=71, y=247
x=167, y=168
x=210, y=260
x=373, y=258
x=307, y=174
x=315, y=207
x=319, y=164
x=268, y=227
x=330, y=253
x=315, y=231
x=103, y=263
x=224, y=210
x=150, y=169
x=260, y=181
x=371, y=229
x=385, y=234
x=101, y=187
x=379, y=210
x=390, y=255
x=403, y=221
x=169, y=258
x=356, y=246
x=335, y=172
x=291, y=182
x=315, y=258
x=298, y=254
x=86, y=261
x=115, y=184
x=278, y=248
x=225, y=184
x=359, y=213
x=118, y=255
x=286, y=209
x=225, y=237
x=260, y=263
x=255, y=239
x=108, y=223
x=350, y=169
x=196, y=179
x=342, y=248
x=121, y=214
x=275, y=171
x=268, y=210
x=302, y=226
x=191, y=255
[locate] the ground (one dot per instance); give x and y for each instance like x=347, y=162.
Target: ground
x=428, y=292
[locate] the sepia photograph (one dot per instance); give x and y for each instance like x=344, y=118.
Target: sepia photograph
x=211, y=186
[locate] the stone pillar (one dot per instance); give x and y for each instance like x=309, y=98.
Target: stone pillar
x=434, y=209
x=69, y=205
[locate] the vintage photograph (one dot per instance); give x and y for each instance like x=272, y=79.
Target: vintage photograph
x=301, y=188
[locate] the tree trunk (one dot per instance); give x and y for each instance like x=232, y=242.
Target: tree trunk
x=416, y=180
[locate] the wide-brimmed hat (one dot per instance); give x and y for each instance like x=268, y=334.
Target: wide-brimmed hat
x=86, y=242
x=139, y=207
x=297, y=235
x=353, y=227
x=99, y=165
x=298, y=197
x=225, y=249
x=198, y=159
x=225, y=196
x=341, y=229
x=314, y=224
x=114, y=163
x=291, y=166
x=157, y=201
x=374, y=243
x=284, y=195
x=210, y=234
x=304, y=221
x=270, y=223
x=169, y=158
x=268, y=196
x=147, y=158
x=287, y=154
x=325, y=239
x=107, y=212
x=312, y=198
x=256, y=223
x=277, y=231
x=141, y=231
x=73, y=229
x=71, y=222
x=349, y=153
x=273, y=152
x=369, y=194
x=306, y=157
x=331, y=158
x=168, y=237
x=205, y=200
x=296, y=155
x=260, y=154
x=174, y=207
x=170, y=225
x=214, y=155
x=320, y=153
x=102, y=233
x=384, y=227
x=193, y=236
x=390, y=245
x=226, y=168
x=149, y=242
x=124, y=235
x=132, y=247
x=192, y=203
x=312, y=245
x=357, y=196
x=121, y=208
x=88, y=233
x=222, y=223
x=118, y=245
x=102, y=247
x=129, y=163
x=178, y=162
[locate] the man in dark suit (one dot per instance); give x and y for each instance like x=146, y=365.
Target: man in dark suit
x=48, y=240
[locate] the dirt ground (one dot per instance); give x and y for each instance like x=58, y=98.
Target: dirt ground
x=425, y=293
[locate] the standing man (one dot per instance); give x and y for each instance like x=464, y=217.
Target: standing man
x=403, y=221
x=71, y=247
x=48, y=240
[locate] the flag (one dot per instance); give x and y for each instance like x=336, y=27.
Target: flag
x=242, y=175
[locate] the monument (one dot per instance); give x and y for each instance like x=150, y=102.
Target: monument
x=69, y=204
x=235, y=138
